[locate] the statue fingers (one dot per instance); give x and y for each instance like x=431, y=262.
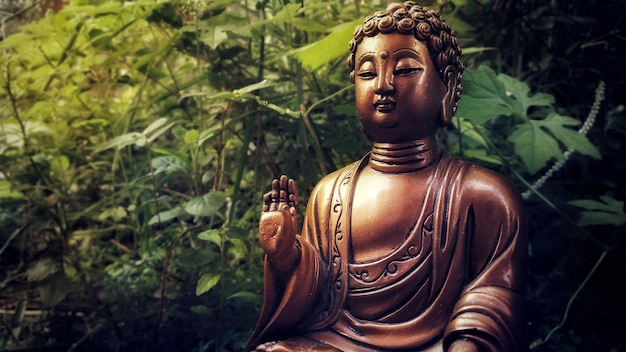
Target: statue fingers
x=267, y=200
x=293, y=193
x=284, y=191
x=274, y=194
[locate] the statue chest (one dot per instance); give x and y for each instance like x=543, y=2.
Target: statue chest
x=385, y=210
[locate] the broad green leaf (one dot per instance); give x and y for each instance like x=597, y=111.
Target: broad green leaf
x=481, y=155
x=557, y=125
x=211, y=235
x=41, y=269
x=158, y=132
x=607, y=212
x=206, y=205
x=202, y=310
x=191, y=137
x=215, y=36
x=286, y=14
x=116, y=213
x=601, y=218
x=253, y=87
x=536, y=141
x=54, y=289
x=59, y=165
x=154, y=126
x=206, y=283
x=521, y=92
x=119, y=141
x=214, y=30
x=484, y=96
x=534, y=145
x=166, y=216
x=246, y=295
x=239, y=232
x=308, y=25
x=475, y=49
x=239, y=246
x=197, y=257
x=467, y=129
x=170, y=164
x=332, y=46
x=7, y=192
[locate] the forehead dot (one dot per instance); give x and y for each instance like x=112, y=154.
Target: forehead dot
x=384, y=54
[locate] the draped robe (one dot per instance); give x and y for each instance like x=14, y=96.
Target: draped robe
x=460, y=272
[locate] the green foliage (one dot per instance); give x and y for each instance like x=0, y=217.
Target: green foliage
x=136, y=142
x=609, y=211
x=538, y=134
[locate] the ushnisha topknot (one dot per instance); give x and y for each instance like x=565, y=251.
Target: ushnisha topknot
x=427, y=26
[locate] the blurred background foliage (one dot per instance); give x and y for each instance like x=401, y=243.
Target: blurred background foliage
x=137, y=137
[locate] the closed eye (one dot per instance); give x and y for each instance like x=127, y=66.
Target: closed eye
x=406, y=71
x=366, y=74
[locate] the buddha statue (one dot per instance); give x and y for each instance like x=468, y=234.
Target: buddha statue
x=409, y=248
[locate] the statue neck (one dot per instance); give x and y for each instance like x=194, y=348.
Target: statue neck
x=403, y=157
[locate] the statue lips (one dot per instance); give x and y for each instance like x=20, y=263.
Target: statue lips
x=385, y=105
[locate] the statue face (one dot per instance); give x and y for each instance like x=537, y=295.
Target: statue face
x=399, y=93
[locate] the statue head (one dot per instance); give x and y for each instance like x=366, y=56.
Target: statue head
x=428, y=27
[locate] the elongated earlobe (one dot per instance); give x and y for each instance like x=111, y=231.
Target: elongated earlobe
x=448, y=101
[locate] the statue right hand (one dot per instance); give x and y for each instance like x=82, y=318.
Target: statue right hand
x=278, y=224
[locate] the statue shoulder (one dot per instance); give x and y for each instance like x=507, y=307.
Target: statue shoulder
x=324, y=188
x=490, y=188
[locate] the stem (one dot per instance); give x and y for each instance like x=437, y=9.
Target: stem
x=570, y=302
x=19, y=13
x=166, y=260
x=22, y=127
x=63, y=57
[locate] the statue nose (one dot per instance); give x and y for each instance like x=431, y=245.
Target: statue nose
x=384, y=85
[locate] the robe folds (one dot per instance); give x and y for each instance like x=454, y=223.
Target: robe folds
x=460, y=272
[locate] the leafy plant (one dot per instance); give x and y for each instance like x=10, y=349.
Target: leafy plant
x=137, y=139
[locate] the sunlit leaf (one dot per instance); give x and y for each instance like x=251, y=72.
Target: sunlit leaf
x=305, y=24
x=255, y=86
x=155, y=125
x=206, y=205
x=211, y=235
x=170, y=164
x=119, y=141
x=286, y=14
x=246, y=295
x=534, y=145
x=191, y=137
x=206, y=283
x=166, y=216
x=159, y=132
x=484, y=96
x=536, y=141
x=332, y=46
x=59, y=165
x=467, y=129
x=6, y=190
x=239, y=246
x=481, y=155
x=214, y=36
x=520, y=91
x=558, y=127
x=116, y=213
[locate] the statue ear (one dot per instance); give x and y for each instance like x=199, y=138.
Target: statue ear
x=447, y=103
